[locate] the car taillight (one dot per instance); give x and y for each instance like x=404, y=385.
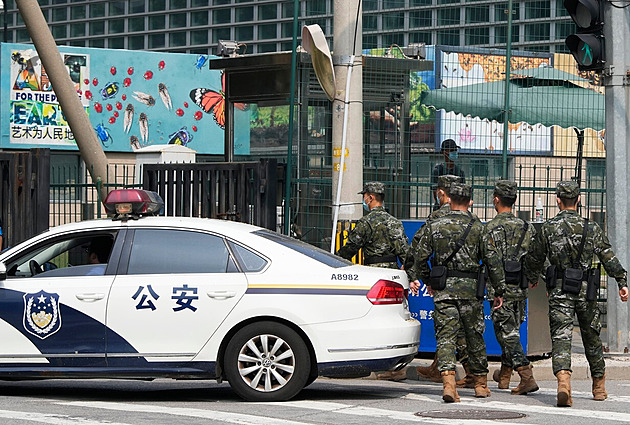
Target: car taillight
x=386, y=292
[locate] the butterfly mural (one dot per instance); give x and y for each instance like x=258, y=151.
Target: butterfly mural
x=213, y=102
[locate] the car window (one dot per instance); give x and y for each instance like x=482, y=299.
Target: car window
x=70, y=255
x=248, y=260
x=164, y=251
x=304, y=248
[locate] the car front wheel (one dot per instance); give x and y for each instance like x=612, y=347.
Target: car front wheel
x=267, y=361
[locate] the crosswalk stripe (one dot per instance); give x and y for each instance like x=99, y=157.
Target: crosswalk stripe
x=52, y=419
x=372, y=412
x=232, y=418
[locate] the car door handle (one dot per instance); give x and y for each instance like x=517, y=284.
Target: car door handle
x=222, y=295
x=90, y=297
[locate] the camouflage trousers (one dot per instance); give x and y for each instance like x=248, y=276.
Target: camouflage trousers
x=507, y=322
x=450, y=318
x=460, y=344
x=562, y=309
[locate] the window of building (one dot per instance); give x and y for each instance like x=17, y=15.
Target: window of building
x=449, y=16
x=136, y=24
x=60, y=14
x=393, y=4
x=425, y=37
x=370, y=5
x=287, y=46
x=287, y=10
x=476, y=15
x=77, y=12
x=536, y=32
x=116, y=26
x=177, y=20
x=97, y=43
x=477, y=36
x=393, y=21
x=370, y=23
x=177, y=4
x=370, y=41
x=447, y=1
x=244, y=14
x=221, y=34
x=21, y=35
x=219, y=2
x=221, y=16
x=157, y=5
x=420, y=19
x=564, y=29
x=177, y=39
x=116, y=43
x=97, y=10
x=267, y=31
x=501, y=9
x=199, y=37
x=59, y=31
x=391, y=39
x=77, y=43
x=500, y=34
x=157, y=22
x=156, y=41
x=116, y=8
x=77, y=30
x=448, y=37
x=267, y=47
x=268, y=11
x=537, y=9
x=97, y=28
x=199, y=3
x=198, y=19
x=414, y=3
x=136, y=42
x=316, y=7
x=137, y=6
x=245, y=33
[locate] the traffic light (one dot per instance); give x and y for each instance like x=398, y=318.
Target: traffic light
x=587, y=45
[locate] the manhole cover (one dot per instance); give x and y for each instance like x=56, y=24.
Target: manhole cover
x=471, y=414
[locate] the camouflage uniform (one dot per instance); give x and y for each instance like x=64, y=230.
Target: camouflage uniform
x=379, y=234
x=559, y=240
x=456, y=306
x=500, y=238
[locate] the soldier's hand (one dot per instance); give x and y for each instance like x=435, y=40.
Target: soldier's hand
x=414, y=286
x=498, y=303
x=532, y=285
x=623, y=294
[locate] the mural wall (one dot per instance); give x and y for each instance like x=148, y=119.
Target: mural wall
x=133, y=99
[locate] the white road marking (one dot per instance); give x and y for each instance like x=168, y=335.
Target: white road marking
x=232, y=418
x=52, y=419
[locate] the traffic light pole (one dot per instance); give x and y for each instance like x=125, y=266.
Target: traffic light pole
x=617, y=85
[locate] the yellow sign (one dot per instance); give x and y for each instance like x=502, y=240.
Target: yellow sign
x=337, y=165
x=337, y=152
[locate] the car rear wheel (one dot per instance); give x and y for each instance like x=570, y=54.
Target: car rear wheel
x=267, y=361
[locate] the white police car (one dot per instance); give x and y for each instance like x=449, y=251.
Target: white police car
x=191, y=298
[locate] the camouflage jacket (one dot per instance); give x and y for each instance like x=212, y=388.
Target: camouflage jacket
x=442, y=211
x=499, y=242
x=438, y=238
x=379, y=234
x=559, y=240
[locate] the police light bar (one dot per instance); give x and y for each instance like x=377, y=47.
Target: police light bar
x=133, y=203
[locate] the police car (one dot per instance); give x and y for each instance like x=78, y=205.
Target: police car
x=142, y=297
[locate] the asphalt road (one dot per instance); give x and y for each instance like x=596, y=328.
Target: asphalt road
x=357, y=401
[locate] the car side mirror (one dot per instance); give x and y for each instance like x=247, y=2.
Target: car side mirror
x=3, y=271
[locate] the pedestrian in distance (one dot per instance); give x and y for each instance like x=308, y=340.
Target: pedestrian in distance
x=570, y=242
x=380, y=235
x=452, y=242
x=506, y=241
x=450, y=151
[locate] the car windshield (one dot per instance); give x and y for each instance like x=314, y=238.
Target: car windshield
x=304, y=248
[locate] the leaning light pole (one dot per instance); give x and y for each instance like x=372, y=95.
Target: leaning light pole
x=89, y=146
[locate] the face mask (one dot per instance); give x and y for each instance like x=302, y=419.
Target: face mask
x=453, y=155
x=365, y=206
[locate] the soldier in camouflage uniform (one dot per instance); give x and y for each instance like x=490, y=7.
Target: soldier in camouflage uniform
x=456, y=306
x=381, y=235
x=507, y=238
x=559, y=240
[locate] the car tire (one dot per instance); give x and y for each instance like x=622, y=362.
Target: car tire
x=267, y=361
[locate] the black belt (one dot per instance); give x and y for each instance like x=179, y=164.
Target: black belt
x=455, y=273
x=560, y=274
x=382, y=259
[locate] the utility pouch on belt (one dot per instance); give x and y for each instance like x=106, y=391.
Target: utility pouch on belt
x=513, y=272
x=482, y=277
x=550, y=278
x=593, y=280
x=437, y=277
x=572, y=280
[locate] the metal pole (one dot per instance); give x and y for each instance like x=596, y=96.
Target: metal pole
x=5, y=5
x=287, y=182
x=506, y=113
x=617, y=36
x=89, y=147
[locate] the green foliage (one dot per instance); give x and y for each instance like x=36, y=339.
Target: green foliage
x=269, y=116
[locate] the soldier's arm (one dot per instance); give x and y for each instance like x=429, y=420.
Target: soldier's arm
x=409, y=257
x=603, y=250
x=529, y=243
x=535, y=258
x=357, y=238
x=419, y=255
x=400, y=243
x=492, y=258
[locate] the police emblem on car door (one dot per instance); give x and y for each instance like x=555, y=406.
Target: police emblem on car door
x=41, y=314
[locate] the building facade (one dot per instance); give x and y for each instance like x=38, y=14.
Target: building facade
x=196, y=26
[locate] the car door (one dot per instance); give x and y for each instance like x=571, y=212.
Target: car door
x=175, y=290
x=53, y=302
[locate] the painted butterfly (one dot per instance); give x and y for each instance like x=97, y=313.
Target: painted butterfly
x=212, y=102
